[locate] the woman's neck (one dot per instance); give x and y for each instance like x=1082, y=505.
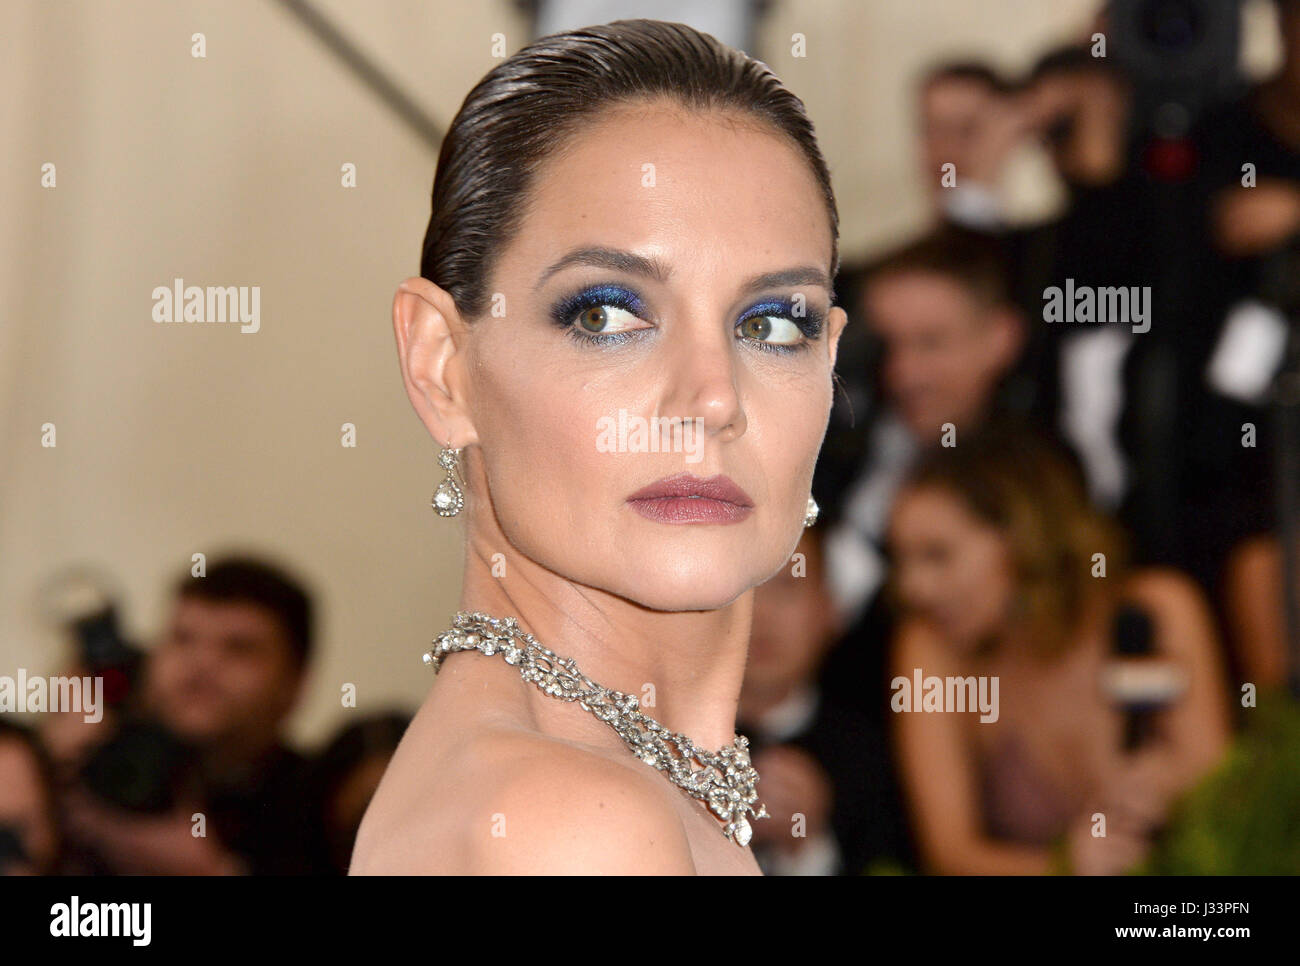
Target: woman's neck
x=693, y=660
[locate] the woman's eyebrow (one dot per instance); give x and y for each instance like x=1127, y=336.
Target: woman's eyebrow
x=652, y=268
x=613, y=258
x=807, y=275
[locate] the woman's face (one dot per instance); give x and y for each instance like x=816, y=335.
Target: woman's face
x=665, y=317
x=950, y=567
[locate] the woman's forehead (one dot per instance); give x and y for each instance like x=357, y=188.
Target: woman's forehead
x=682, y=185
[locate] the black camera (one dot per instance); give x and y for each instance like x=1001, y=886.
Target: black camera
x=142, y=768
x=1182, y=56
x=107, y=654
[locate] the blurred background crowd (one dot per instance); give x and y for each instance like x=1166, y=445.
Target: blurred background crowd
x=1056, y=496
x=1063, y=455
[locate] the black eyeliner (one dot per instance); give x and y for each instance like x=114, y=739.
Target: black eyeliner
x=591, y=296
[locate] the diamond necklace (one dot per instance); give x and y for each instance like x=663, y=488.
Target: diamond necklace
x=725, y=780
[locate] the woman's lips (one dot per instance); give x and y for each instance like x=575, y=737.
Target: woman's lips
x=688, y=499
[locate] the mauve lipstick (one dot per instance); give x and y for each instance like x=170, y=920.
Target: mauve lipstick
x=688, y=499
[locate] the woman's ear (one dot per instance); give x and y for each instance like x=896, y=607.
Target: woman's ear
x=835, y=322
x=430, y=335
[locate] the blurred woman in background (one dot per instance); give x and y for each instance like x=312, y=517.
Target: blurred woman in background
x=1003, y=571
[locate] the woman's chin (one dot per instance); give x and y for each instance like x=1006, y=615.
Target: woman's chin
x=685, y=594
x=964, y=638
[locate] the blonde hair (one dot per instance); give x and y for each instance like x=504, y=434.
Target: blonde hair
x=1011, y=479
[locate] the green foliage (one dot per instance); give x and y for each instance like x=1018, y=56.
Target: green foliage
x=886, y=866
x=1244, y=817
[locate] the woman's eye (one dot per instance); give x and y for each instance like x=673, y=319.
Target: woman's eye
x=605, y=319
x=770, y=328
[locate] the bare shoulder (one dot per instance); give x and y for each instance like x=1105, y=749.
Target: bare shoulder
x=559, y=809
x=1163, y=588
x=917, y=644
x=512, y=802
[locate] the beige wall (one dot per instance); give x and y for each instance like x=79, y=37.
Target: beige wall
x=176, y=439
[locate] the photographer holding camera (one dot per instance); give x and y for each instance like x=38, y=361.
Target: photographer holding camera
x=194, y=778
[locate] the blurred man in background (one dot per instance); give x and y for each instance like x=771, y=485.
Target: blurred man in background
x=828, y=783
x=1251, y=150
x=947, y=336
x=969, y=124
x=947, y=342
x=196, y=778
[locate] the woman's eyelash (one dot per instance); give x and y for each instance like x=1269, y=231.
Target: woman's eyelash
x=562, y=314
x=809, y=321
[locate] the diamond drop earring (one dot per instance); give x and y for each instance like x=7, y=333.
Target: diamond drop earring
x=810, y=515
x=449, y=498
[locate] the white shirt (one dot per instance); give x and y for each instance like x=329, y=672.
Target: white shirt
x=819, y=854
x=855, y=566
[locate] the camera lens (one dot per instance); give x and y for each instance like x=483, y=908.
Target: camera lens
x=1171, y=26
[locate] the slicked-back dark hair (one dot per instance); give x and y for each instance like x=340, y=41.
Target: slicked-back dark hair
x=248, y=580
x=528, y=106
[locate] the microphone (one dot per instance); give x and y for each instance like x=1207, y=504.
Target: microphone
x=1136, y=680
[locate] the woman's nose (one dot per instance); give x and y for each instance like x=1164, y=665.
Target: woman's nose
x=703, y=379
x=916, y=586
